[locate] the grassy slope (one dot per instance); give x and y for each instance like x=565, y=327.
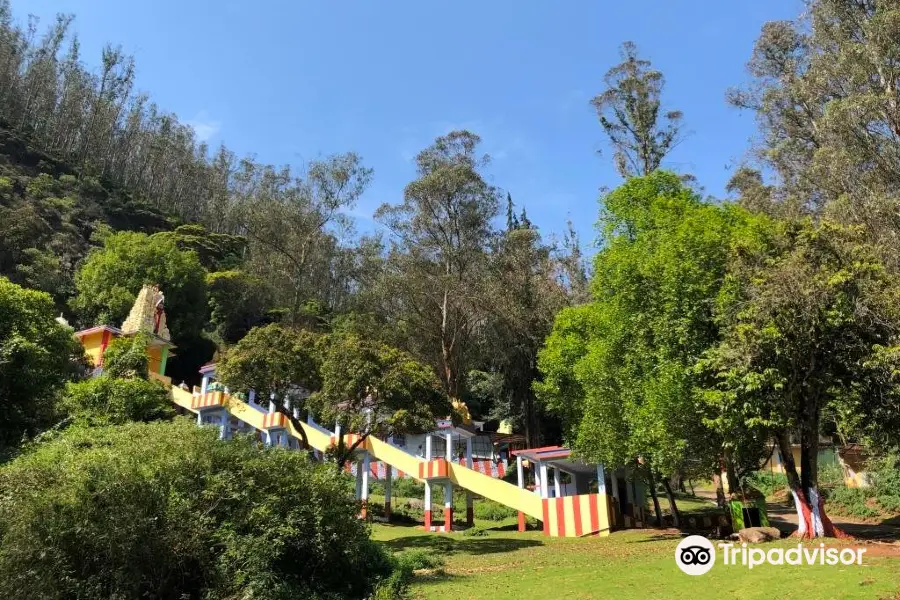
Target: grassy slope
x=626, y=565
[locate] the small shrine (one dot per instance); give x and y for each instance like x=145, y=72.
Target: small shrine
x=147, y=316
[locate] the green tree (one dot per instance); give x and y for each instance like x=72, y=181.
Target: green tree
x=167, y=510
x=37, y=357
x=279, y=363
x=441, y=235
x=825, y=92
x=629, y=112
x=522, y=293
x=373, y=389
x=620, y=370
x=111, y=277
x=809, y=323
x=237, y=303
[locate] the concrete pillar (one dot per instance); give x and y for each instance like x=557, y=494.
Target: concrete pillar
x=427, y=486
x=448, y=507
x=364, y=494
x=427, y=506
x=545, y=487
x=448, y=454
x=388, y=483
x=224, y=425
x=557, y=487
x=629, y=495
x=470, y=500
x=601, y=480
x=251, y=397
x=204, y=383
x=359, y=473
x=521, y=473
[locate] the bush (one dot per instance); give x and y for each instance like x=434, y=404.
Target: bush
x=489, y=510
x=890, y=504
x=166, y=510
x=105, y=400
x=766, y=482
x=37, y=357
x=851, y=502
x=126, y=357
x=885, y=474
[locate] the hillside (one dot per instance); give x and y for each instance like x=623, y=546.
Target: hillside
x=50, y=213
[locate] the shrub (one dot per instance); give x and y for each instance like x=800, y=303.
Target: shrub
x=489, y=510
x=890, y=504
x=851, y=502
x=885, y=473
x=108, y=401
x=127, y=357
x=766, y=482
x=166, y=510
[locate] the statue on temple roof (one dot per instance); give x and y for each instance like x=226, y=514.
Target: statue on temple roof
x=148, y=314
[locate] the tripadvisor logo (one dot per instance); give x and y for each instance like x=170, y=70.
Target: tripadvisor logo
x=695, y=555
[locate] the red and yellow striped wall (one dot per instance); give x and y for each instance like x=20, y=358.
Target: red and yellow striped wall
x=433, y=469
x=575, y=516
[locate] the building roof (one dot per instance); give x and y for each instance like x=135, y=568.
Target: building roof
x=155, y=340
x=555, y=456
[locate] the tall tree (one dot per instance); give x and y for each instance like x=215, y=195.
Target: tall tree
x=809, y=322
x=629, y=112
x=281, y=365
x=523, y=293
x=440, y=238
x=620, y=370
x=375, y=390
x=825, y=92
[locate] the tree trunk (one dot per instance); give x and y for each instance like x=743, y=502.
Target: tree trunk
x=651, y=483
x=720, y=490
x=676, y=517
x=811, y=518
x=734, y=485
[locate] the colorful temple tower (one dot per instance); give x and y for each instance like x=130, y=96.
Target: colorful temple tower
x=147, y=316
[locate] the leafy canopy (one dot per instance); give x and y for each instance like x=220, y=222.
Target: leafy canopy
x=37, y=357
x=111, y=277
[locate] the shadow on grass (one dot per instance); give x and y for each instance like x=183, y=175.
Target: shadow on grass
x=448, y=544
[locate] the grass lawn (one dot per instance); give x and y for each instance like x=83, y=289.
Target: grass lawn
x=625, y=565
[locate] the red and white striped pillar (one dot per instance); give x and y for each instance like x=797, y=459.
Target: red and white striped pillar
x=448, y=487
x=427, y=506
x=364, y=491
x=521, y=473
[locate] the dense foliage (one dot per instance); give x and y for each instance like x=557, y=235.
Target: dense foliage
x=37, y=357
x=166, y=510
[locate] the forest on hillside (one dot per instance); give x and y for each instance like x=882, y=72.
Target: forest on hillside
x=704, y=334
x=464, y=280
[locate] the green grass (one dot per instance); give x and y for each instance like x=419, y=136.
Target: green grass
x=626, y=565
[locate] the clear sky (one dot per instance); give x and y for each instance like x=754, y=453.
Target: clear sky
x=294, y=79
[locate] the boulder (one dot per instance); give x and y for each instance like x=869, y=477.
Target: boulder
x=758, y=535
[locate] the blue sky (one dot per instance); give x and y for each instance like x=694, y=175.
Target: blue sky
x=292, y=80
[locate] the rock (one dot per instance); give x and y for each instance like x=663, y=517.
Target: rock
x=758, y=535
